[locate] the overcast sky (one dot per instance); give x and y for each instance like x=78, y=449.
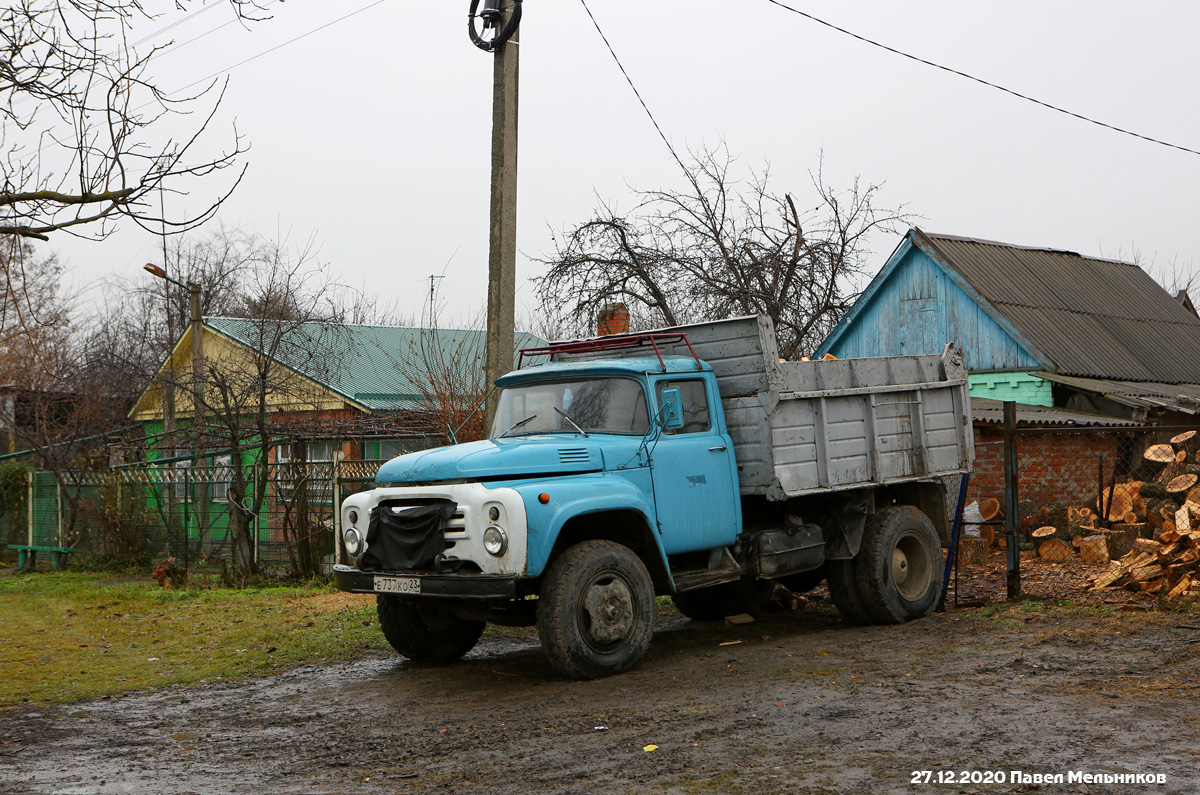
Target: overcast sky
x=372, y=135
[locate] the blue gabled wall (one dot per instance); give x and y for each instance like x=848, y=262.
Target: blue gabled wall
x=915, y=306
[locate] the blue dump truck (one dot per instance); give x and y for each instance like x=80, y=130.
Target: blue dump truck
x=688, y=462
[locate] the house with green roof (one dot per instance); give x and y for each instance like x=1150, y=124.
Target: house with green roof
x=324, y=392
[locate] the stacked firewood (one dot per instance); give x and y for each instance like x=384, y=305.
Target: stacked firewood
x=1163, y=565
x=1160, y=498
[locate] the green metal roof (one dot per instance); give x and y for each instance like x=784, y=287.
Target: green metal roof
x=377, y=366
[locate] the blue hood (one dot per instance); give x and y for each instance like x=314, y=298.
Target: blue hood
x=496, y=458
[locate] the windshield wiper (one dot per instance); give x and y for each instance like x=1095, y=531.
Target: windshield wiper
x=574, y=425
x=518, y=424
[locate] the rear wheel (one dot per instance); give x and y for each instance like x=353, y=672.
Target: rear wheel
x=425, y=632
x=746, y=595
x=595, y=610
x=899, y=565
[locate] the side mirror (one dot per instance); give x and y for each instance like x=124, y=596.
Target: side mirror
x=672, y=408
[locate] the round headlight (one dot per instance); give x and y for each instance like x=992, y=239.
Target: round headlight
x=353, y=541
x=494, y=513
x=495, y=541
x=353, y=517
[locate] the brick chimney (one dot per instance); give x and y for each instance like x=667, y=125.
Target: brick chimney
x=612, y=319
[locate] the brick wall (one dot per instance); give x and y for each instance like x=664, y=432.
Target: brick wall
x=1052, y=467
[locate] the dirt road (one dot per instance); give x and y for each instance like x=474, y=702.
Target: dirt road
x=800, y=703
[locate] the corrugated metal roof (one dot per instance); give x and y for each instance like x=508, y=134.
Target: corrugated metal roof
x=377, y=366
x=992, y=411
x=1090, y=317
x=1138, y=394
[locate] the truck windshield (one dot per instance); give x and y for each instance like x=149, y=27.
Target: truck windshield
x=596, y=405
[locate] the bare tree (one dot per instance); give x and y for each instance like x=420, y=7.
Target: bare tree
x=53, y=403
x=447, y=368
x=143, y=316
x=88, y=135
x=716, y=249
x=288, y=331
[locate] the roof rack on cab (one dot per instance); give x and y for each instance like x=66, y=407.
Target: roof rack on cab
x=613, y=342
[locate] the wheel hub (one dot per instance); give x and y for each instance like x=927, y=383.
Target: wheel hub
x=912, y=568
x=608, y=609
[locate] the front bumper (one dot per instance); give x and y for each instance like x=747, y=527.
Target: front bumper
x=435, y=586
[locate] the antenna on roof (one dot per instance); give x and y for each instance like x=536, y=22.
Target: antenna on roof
x=433, y=299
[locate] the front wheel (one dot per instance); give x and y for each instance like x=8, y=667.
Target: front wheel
x=899, y=565
x=595, y=610
x=425, y=632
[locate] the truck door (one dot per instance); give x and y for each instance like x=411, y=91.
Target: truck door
x=695, y=489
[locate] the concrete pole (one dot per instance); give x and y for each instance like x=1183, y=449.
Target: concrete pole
x=502, y=251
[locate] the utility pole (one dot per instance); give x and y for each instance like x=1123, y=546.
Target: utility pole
x=503, y=24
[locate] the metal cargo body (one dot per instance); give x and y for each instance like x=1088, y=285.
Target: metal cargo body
x=808, y=427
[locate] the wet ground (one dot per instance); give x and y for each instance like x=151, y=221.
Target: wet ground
x=796, y=702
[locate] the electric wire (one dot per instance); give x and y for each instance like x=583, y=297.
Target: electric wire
x=279, y=46
x=50, y=145
x=980, y=80
x=636, y=93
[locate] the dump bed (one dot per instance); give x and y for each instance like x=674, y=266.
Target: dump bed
x=806, y=427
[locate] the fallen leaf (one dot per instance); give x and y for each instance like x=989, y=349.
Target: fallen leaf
x=443, y=731
x=153, y=659
x=651, y=747
x=781, y=703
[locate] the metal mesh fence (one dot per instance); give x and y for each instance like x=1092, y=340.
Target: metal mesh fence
x=186, y=512
x=1081, y=494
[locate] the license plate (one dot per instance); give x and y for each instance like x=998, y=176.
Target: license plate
x=397, y=585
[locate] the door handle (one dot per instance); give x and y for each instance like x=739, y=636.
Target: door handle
x=718, y=449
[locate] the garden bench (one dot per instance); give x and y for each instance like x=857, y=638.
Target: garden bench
x=27, y=556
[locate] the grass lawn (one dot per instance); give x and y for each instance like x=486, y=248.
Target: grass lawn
x=69, y=636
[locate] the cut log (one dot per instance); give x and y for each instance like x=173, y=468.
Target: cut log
x=1170, y=472
x=1183, y=586
x=1179, y=439
x=1119, y=542
x=1121, y=502
x=1144, y=573
x=1109, y=577
x=972, y=551
x=1094, y=549
x=1146, y=545
x=1183, y=520
x=990, y=509
x=1134, y=529
x=1182, y=483
x=1152, y=489
x=1046, y=533
x=1159, y=453
x=1054, y=551
x=988, y=534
